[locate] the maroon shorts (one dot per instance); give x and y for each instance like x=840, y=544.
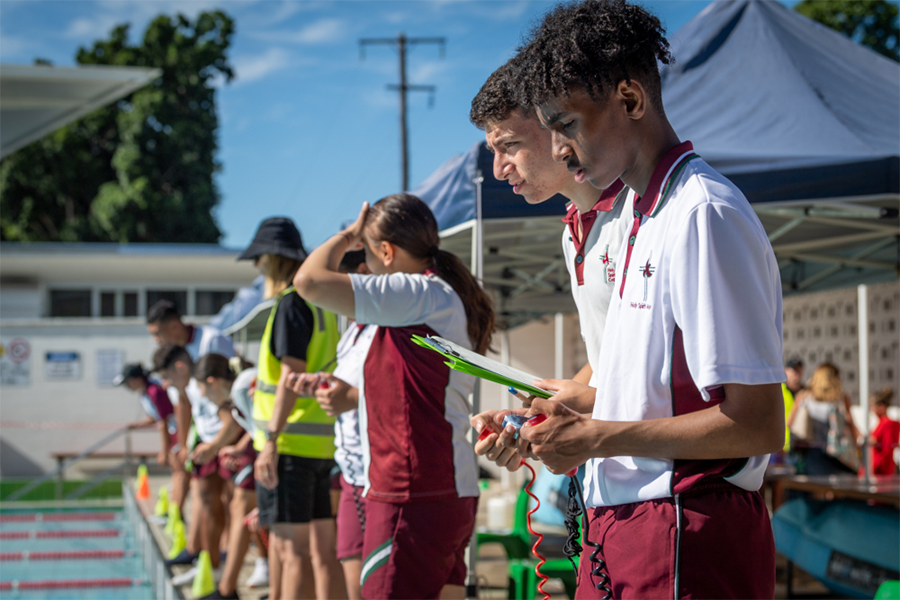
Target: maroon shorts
x=212, y=467
x=243, y=477
x=713, y=542
x=350, y=517
x=413, y=550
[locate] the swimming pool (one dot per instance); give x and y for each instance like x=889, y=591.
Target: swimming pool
x=80, y=554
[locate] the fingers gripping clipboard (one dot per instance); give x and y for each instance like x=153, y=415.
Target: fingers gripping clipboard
x=472, y=363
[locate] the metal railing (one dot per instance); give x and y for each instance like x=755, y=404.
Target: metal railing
x=59, y=471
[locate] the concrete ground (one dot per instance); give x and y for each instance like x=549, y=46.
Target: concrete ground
x=491, y=566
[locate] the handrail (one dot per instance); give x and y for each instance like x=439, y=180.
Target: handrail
x=62, y=467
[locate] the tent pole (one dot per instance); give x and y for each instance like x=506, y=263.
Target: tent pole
x=558, y=326
x=477, y=270
x=507, y=402
x=863, y=328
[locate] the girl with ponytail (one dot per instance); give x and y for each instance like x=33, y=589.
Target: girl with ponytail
x=421, y=479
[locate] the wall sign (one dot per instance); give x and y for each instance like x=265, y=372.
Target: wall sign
x=62, y=366
x=15, y=362
x=109, y=364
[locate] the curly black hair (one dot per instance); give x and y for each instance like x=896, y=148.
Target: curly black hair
x=592, y=44
x=496, y=100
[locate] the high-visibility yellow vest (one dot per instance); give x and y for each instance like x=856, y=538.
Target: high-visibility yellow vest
x=309, y=431
x=788, y=405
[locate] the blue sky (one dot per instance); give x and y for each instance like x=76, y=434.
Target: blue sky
x=307, y=129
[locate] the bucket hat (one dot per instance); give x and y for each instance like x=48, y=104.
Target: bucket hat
x=129, y=371
x=277, y=235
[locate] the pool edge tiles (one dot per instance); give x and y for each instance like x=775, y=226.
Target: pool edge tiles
x=159, y=576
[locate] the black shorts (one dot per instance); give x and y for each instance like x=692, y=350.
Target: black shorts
x=302, y=493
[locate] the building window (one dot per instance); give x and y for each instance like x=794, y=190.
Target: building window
x=70, y=303
x=130, y=304
x=210, y=303
x=176, y=297
x=107, y=304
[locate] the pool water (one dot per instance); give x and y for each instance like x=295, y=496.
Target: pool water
x=79, y=532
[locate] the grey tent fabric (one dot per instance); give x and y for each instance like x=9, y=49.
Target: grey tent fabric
x=450, y=192
x=785, y=107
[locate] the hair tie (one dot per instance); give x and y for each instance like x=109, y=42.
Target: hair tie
x=433, y=251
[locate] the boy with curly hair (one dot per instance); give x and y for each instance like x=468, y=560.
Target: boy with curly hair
x=688, y=403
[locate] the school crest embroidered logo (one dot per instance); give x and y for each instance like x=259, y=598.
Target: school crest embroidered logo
x=647, y=271
x=610, y=266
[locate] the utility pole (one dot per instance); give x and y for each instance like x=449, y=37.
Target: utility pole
x=402, y=43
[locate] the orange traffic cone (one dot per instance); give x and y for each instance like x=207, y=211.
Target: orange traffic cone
x=143, y=487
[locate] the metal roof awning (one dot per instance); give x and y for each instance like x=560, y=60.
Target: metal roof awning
x=36, y=100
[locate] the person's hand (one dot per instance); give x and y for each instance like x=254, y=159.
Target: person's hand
x=574, y=395
x=230, y=457
x=162, y=458
x=499, y=446
x=182, y=455
x=265, y=468
x=354, y=233
x=560, y=441
x=203, y=453
x=251, y=520
x=303, y=384
x=335, y=395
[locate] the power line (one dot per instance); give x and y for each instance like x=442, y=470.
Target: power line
x=402, y=43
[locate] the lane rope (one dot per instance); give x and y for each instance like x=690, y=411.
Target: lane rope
x=51, y=535
x=57, y=517
x=65, y=555
x=50, y=584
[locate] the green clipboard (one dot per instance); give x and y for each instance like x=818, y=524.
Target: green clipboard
x=465, y=361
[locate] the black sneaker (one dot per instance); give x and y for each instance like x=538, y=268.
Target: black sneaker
x=218, y=596
x=185, y=558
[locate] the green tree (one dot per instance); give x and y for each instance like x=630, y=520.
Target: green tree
x=872, y=23
x=142, y=169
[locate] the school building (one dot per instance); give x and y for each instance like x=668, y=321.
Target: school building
x=70, y=316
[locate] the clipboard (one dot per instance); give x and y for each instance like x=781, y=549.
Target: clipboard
x=472, y=363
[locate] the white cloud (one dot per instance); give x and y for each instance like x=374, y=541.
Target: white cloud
x=319, y=32
x=254, y=68
x=92, y=28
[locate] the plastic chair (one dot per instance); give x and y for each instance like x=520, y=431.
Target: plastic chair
x=888, y=590
x=516, y=541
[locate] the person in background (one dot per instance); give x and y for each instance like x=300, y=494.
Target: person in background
x=886, y=436
x=156, y=404
x=295, y=438
x=338, y=395
x=793, y=370
x=214, y=428
x=828, y=412
x=164, y=323
x=215, y=378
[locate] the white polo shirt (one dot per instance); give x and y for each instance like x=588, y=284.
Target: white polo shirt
x=351, y=355
x=697, y=305
x=591, y=264
x=413, y=409
x=206, y=339
x=204, y=412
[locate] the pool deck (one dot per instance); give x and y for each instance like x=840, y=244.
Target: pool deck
x=492, y=563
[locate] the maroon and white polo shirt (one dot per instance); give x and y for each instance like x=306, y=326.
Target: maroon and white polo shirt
x=413, y=409
x=697, y=305
x=591, y=263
